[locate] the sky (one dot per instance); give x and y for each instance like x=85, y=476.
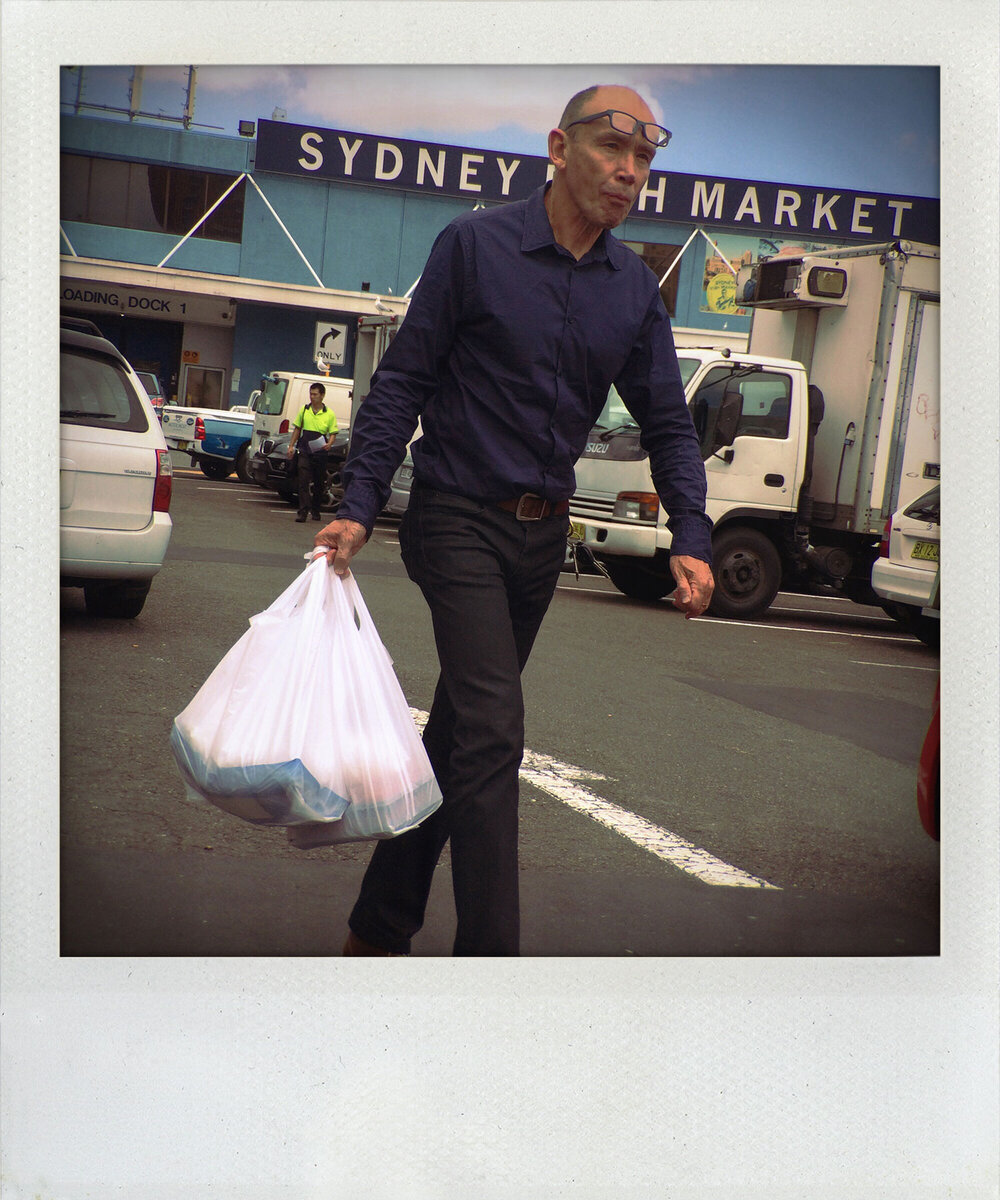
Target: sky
x=869, y=128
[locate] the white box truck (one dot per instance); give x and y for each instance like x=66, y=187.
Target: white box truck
x=811, y=440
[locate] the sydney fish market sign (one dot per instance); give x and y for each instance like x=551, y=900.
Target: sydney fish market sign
x=491, y=176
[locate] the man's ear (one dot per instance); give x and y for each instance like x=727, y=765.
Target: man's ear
x=557, y=147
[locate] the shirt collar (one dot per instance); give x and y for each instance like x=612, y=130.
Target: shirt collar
x=538, y=233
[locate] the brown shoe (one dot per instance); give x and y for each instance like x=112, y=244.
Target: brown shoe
x=355, y=946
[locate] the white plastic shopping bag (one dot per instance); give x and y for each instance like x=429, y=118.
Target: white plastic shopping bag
x=304, y=721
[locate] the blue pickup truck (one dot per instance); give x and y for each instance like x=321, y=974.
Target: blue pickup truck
x=215, y=439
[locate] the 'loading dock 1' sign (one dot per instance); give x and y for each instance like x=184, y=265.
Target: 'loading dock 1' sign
x=331, y=343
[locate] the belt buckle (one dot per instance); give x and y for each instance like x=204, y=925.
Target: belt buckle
x=532, y=501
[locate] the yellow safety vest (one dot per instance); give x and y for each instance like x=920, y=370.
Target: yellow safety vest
x=323, y=421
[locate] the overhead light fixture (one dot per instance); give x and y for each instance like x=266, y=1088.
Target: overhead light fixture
x=247, y=128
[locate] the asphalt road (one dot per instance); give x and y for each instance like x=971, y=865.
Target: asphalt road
x=691, y=788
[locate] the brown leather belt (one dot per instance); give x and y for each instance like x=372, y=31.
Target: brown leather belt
x=533, y=508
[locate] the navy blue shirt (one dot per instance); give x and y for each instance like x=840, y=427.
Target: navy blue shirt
x=506, y=355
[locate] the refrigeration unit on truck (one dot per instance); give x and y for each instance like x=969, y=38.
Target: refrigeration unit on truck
x=811, y=440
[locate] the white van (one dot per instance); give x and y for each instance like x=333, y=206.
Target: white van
x=283, y=396
x=114, y=478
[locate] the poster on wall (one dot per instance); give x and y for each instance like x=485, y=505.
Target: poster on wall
x=718, y=285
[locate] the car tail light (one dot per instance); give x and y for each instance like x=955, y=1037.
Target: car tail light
x=164, y=482
x=199, y=428
x=883, y=546
x=283, y=427
x=637, y=506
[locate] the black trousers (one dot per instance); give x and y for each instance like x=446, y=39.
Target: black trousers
x=312, y=480
x=488, y=579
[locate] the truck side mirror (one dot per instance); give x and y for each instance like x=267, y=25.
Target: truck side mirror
x=728, y=419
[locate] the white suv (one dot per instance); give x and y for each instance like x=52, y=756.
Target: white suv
x=114, y=478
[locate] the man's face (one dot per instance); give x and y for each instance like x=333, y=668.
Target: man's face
x=605, y=170
x=314, y=396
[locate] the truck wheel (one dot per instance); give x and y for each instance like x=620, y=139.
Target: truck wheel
x=123, y=600
x=747, y=573
x=637, y=580
x=243, y=465
x=215, y=468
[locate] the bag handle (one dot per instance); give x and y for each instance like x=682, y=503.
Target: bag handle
x=351, y=593
x=348, y=586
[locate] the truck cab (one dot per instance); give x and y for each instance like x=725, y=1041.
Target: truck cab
x=755, y=472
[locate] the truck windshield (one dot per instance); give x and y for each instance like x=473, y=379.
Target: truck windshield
x=615, y=416
x=272, y=396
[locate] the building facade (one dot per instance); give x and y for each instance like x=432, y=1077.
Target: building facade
x=213, y=260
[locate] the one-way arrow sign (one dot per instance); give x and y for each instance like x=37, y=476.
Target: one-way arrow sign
x=331, y=343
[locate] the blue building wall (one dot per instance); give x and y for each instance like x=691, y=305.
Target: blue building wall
x=269, y=338
x=267, y=252
x=149, y=143
x=140, y=246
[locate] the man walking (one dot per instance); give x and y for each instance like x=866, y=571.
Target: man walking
x=314, y=434
x=524, y=316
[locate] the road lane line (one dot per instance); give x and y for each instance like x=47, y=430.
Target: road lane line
x=876, y=637
x=894, y=666
x=561, y=780
x=222, y=484
x=822, y=612
x=872, y=637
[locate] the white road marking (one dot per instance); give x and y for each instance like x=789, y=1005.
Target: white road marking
x=893, y=666
x=562, y=780
x=872, y=637
x=822, y=612
x=877, y=637
x=228, y=486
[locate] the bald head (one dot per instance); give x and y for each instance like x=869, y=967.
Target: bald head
x=605, y=95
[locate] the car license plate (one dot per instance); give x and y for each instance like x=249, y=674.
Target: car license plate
x=182, y=445
x=577, y=531
x=927, y=551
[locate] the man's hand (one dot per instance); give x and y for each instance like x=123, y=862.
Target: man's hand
x=695, y=584
x=345, y=538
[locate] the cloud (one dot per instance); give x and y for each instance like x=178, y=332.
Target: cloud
x=452, y=100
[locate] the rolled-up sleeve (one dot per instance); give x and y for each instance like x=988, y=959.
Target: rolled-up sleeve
x=407, y=376
x=650, y=385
